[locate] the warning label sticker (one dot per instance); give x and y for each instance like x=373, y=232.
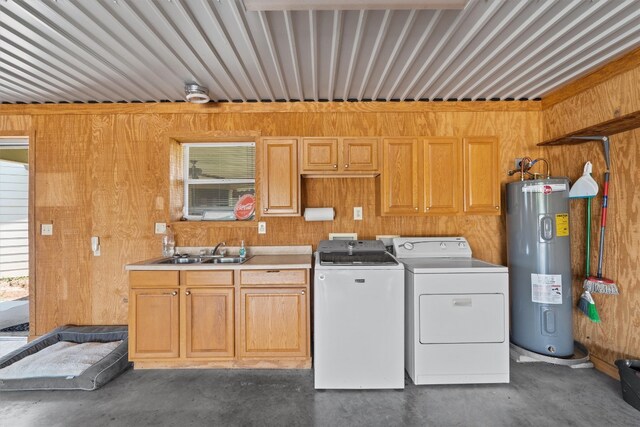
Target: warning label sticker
x=562, y=225
x=546, y=288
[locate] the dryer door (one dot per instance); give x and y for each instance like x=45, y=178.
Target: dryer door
x=462, y=318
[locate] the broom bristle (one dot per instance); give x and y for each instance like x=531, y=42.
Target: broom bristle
x=600, y=285
x=587, y=305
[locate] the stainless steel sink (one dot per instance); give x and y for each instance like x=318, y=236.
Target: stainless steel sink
x=182, y=260
x=225, y=260
x=201, y=260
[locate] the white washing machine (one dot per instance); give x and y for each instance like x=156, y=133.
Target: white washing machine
x=358, y=316
x=456, y=313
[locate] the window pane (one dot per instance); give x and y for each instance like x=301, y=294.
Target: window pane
x=217, y=197
x=222, y=162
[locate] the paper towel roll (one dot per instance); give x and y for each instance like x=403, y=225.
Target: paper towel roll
x=319, y=214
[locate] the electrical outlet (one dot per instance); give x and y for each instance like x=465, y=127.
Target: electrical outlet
x=357, y=213
x=262, y=227
x=161, y=227
x=46, y=229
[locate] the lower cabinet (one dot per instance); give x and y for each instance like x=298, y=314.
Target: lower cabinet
x=154, y=323
x=273, y=322
x=209, y=325
x=201, y=319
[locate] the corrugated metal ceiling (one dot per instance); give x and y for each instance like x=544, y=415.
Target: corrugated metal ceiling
x=134, y=50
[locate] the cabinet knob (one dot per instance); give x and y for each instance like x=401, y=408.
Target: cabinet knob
x=187, y=293
x=497, y=207
x=301, y=292
x=426, y=209
x=346, y=166
x=335, y=166
x=415, y=209
x=174, y=293
x=265, y=209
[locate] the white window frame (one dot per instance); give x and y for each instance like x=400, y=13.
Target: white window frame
x=189, y=181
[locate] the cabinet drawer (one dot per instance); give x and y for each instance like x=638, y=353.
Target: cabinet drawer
x=147, y=279
x=273, y=277
x=208, y=278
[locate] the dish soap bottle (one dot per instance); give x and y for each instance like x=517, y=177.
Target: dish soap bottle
x=168, y=242
x=242, y=252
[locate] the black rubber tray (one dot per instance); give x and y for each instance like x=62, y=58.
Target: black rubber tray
x=630, y=380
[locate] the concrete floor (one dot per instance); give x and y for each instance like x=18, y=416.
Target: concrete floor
x=538, y=395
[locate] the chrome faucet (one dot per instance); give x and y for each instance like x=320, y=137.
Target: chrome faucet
x=213, y=252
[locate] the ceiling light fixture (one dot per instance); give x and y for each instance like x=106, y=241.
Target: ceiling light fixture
x=196, y=94
x=267, y=5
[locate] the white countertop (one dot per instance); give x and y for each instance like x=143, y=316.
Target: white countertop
x=265, y=257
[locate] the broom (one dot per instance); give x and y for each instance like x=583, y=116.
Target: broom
x=599, y=284
x=585, y=187
x=587, y=305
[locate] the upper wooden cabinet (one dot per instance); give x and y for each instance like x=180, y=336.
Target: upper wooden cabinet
x=319, y=154
x=439, y=176
x=441, y=188
x=400, y=179
x=360, y=154
x=346, y=157
x=481, y=183
x=280, y=177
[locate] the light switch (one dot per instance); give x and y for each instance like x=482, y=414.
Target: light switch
x=262, y=227
x=161, y=227
x=357, y=213
x=46, y=229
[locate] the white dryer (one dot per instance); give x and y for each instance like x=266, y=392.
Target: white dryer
x=456, y=313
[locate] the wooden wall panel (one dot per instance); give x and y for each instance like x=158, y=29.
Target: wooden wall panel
x=63, y=291
x=617, y=336
x=104, y=170
x=9, y=123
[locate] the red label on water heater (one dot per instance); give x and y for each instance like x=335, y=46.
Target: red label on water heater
x=544, y=188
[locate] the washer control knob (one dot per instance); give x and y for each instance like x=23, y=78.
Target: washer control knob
x=321, y=277
x=408, y=245
x=461, y=245
x=443, y=245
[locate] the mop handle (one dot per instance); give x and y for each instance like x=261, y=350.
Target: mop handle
x=587, y=260
x=603, y=222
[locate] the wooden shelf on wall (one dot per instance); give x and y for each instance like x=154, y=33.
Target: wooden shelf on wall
x=608, y=128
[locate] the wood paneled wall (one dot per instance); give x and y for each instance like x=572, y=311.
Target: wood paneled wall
x=619, y=94
x=103, y=170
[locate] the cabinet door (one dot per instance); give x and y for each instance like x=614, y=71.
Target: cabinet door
x=481, y=183
x=273, y=322
x=280, y=179
x=400, y=176
x=442, y=175
x=154, y=323
x=319, y=154
x=360, y=154
x=209, y=322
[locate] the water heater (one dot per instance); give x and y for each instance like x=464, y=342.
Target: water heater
x=539, y=260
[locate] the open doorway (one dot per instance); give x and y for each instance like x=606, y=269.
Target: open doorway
x=14, y=242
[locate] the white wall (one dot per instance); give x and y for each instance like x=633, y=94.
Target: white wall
x=14, y=220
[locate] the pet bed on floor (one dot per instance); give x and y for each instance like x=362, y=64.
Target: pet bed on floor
x=68, y=358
